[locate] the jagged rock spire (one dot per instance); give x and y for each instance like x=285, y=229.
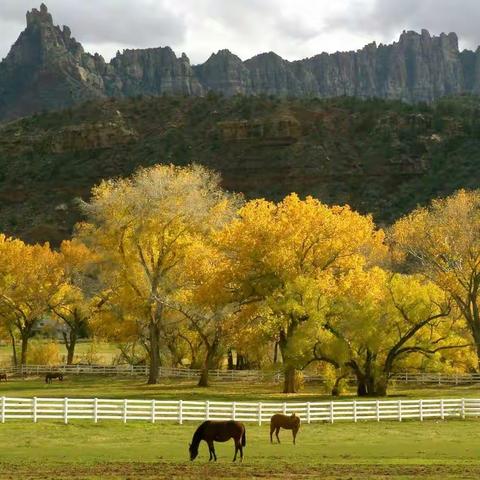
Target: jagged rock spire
x=39, y=16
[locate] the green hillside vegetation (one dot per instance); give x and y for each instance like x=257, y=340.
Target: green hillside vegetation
x=382, y=157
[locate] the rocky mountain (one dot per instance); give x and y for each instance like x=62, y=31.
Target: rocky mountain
x=381, y=157
x=48, y=69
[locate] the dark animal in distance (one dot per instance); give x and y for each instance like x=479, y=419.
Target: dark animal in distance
x=52, y=375
x=218, y=431
x=3, y=376
x=288, y=422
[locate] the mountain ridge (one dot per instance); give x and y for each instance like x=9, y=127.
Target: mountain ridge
x=47, y=69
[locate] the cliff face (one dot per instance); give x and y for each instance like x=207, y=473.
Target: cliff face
x=48, y=69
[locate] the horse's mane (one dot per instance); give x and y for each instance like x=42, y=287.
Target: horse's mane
x=198, y=435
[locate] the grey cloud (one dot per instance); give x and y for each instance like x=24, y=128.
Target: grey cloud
x=387, y=18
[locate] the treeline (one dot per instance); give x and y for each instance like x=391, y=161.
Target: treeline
x=170, y=265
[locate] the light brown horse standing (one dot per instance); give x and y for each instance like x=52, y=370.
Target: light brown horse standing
x=218, y=431
x=288, y=422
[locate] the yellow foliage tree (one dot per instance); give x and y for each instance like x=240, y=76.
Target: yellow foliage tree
x=76, y=300
x=443, y=242
x=288, y=258
x=30, y=276
x=379, y=319
x=142, y=227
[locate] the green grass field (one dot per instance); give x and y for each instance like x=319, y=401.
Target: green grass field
x=135, y=387
x=344, y=450
x=112, y=450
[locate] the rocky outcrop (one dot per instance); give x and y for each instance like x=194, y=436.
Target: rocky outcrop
x=48, y=69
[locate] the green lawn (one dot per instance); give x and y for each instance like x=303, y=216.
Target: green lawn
x=449, y=449
x=136, y=387
x=112, y=450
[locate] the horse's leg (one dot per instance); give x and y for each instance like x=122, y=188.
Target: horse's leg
x=210, y=450
x=241, y=450
x=276, y=434
x=272, y=428
x=294, y=433
x=213, y=451
x=237, y=442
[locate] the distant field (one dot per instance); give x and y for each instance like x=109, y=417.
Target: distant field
x=111, y=450
x=136, y=387
x=105, y=353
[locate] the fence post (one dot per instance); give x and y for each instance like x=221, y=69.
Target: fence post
x=442, y=410
x=355, y=411
x=463, y=409
x=180, y=412
x=207, y=409
x=125, y=406
x=421, y=410
x=377, y=408
x=34, y=409
x=259, y=413
x=3, y=409
x=308, y=412
x=399, y=410
x=65, y=410
x=152, y=410
x=439, y=378
x=284, y=408
x=234, y=410
x=95, y=410
x=331, y=412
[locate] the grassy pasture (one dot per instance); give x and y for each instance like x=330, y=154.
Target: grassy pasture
x=89, y=386
x=112, y=450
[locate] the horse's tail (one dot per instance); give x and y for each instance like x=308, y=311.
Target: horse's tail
x=244, y=438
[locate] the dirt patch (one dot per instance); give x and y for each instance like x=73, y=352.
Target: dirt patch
x=146, y=471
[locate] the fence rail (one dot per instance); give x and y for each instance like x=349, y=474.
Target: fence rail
x=97, y=409
x=230, y=375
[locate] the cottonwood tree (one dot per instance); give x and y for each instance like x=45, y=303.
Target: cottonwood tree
x=30, y=276
x=380, y=319
x=277, y=250
x=143, y=226
x=443, y=242
x=76, y=300
x=207, y=302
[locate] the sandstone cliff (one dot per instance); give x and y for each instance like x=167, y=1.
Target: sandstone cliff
x=47, y=69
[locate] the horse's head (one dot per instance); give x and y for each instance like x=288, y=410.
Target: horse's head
x=193, y=451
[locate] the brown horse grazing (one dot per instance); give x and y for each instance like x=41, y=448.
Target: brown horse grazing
x=3, y=376
x=51, y=375
x=218, y=431
x=278, y=421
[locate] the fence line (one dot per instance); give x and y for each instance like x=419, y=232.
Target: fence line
x=230, y=375
x=180, y=411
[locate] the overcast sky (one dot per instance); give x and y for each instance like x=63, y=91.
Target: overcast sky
x=293, y=28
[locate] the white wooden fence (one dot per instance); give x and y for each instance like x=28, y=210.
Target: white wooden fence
x=230, y=375
x=179, y=411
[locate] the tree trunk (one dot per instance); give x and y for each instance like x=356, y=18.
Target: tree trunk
x=154, y=352
x=476, y=339
x=230, y=359
x=23, y=357
x=70, y=341
x=275, y=354
x=289, y=384
x=14, y=348
x=208, y=364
